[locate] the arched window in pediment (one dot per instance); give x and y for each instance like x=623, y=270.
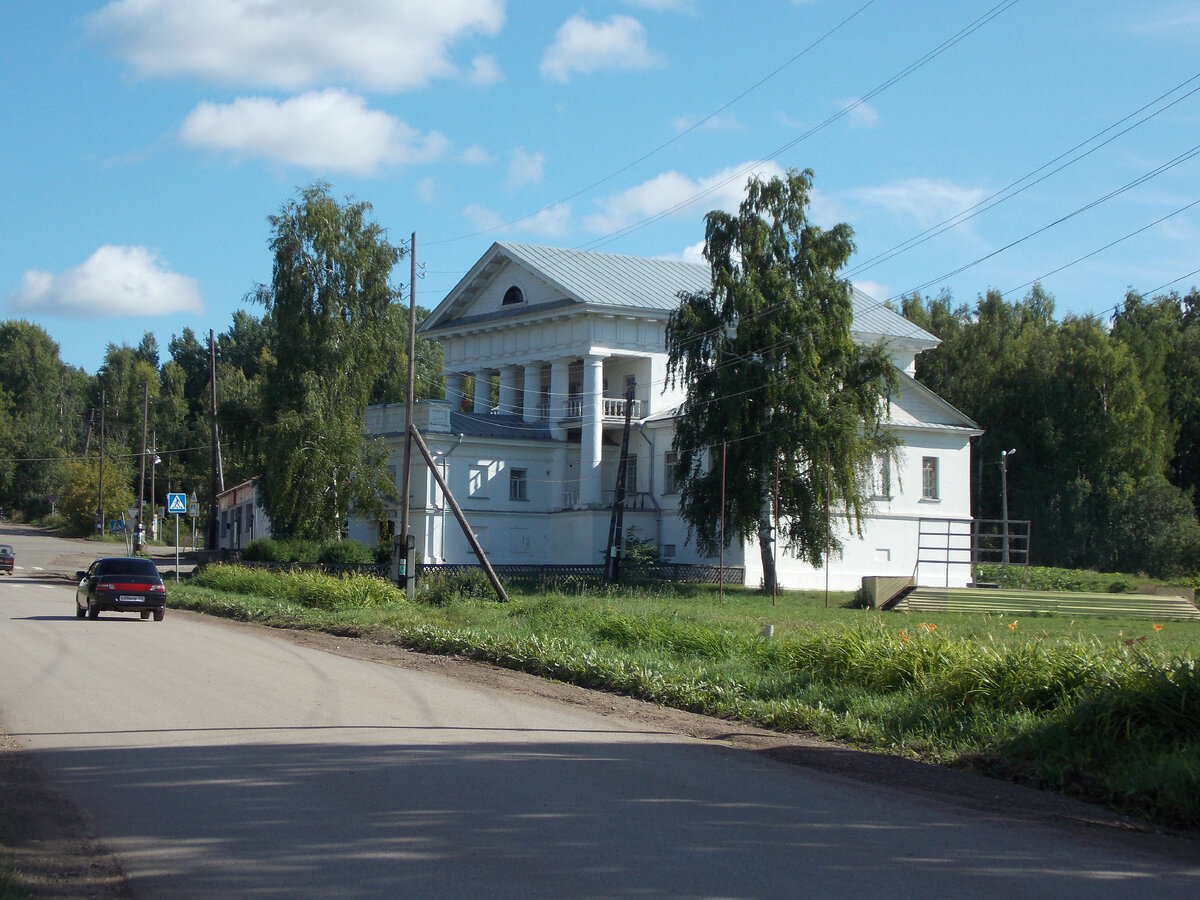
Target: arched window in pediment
x=512, y=295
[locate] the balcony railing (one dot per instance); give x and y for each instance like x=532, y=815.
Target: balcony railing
x=614, y=408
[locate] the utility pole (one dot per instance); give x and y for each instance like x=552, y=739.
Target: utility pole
x=153, y=470
x=616, y=526
x=100, y=493
x=403, y=547
x=213, y=509
x=1004, y=455
x=721, y=566
x=139, y=528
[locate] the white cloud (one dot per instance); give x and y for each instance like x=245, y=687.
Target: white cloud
x=860, y=112
x=475, y=156
x=874, y=289
x=326, y=130
x=694, y=253
x=584, y=46
x=525, y=168
x=113, y=281
x=378, y=44
x=678, y=195
x=926, y=200
x=553, y=221
x=484, y=70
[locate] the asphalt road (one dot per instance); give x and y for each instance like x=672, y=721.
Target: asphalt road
x=222, y=761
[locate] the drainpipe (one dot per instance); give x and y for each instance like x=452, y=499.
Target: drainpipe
x=658, y=514
x=446, y=478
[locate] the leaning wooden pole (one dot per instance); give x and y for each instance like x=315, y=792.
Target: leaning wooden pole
x=458, y=514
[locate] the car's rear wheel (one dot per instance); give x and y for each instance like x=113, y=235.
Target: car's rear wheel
x=80, y=612
x=145, y=613
x=158, y=614
x=93, y=611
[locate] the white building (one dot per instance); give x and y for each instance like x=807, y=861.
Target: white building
x=551, y=339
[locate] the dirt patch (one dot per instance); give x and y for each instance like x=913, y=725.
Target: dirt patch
x=49, y=844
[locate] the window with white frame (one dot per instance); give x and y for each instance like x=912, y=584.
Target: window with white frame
x=669, y=460
x=930, y=486
x=518, y=479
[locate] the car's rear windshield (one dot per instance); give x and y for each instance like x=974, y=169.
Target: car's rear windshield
x=6, y=550
x=141, y=567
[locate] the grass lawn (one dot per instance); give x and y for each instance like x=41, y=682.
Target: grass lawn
x=1104, y=709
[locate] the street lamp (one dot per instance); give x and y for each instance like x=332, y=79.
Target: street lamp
x=1004, y=455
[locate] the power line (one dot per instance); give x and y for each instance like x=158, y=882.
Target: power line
x=1007, y=192
x=1142, y=179
x=645, y=156
x=743, y=172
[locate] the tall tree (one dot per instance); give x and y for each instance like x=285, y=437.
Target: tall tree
x=775, y=381
x=328, y=305
x=43, y=402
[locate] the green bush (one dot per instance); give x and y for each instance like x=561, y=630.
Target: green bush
x=312, y=589
x=282, y=550
x=342, y=552
x=1038, y=578
x=441, y=587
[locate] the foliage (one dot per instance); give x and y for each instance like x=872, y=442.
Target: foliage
x=310, y=589
x=341, y=552
x=78, y=492
x=281, y=550
x=443, y=586
x=1045, y=578
x=1093, y=416
x=329, y=305
x=41, y=401
x=775, y=382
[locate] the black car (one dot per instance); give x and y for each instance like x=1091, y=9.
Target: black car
x=6, y=559
x=122, y=584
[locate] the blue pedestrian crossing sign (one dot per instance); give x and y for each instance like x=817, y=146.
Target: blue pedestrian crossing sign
x=176, y=504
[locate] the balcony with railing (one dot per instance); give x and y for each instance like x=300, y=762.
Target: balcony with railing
x=613, y=409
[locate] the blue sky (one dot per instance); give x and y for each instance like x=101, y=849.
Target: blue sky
x=146, y=141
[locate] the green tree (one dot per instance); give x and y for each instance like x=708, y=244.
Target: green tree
x=328, y=307
x=775, y=381
x=44, y=415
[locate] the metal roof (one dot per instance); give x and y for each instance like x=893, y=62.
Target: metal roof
x=636, y=282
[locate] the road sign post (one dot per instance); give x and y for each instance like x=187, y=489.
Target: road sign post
x=177, y=506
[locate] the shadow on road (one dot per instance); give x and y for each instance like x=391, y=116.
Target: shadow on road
x=564, y=819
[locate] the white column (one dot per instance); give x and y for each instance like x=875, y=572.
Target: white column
x=508, y=391
x=454, y=389
x=558, y=397
x=592, y=436
x=531, y=392
x=483, y=393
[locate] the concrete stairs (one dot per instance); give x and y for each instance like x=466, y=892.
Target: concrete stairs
x=1006, y=602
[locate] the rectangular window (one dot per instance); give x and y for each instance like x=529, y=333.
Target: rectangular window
x=631, y=474
x=669, y=461
x=881, y=482
x=517, y=481
x=930, y=489
x=668, y=552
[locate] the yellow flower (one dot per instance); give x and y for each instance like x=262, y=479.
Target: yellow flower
x=1157, y=627
x=1013, y=626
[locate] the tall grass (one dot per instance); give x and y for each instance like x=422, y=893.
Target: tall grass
x=1103, y=715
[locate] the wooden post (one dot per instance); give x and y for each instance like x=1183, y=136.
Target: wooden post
x=458, y=514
